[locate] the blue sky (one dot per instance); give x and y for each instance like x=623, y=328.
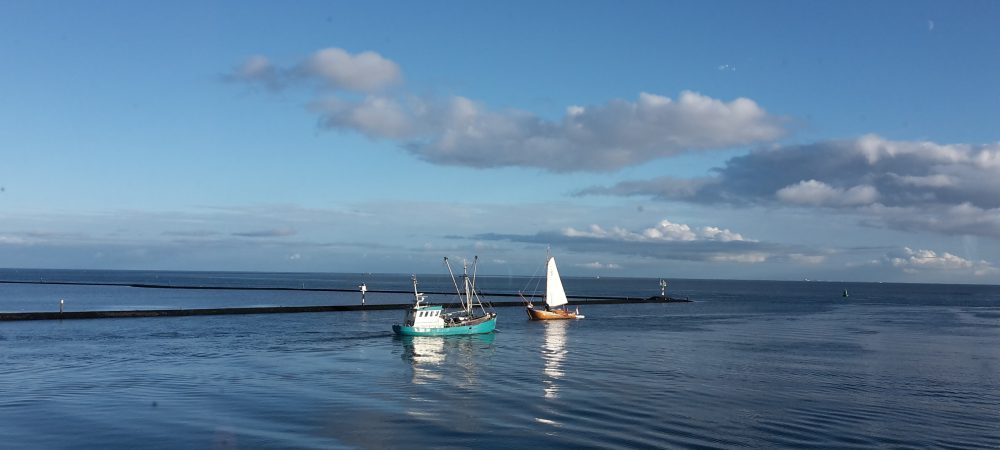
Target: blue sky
x=775, y=140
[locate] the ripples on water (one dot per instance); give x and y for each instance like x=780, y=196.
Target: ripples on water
x=753, y=365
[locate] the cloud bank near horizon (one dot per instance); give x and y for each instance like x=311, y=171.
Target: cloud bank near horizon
x=917, y=261
x=355, y=96
x=665, y=241
x=912, y=186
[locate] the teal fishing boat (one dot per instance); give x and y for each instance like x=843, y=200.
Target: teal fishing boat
x=433, y=320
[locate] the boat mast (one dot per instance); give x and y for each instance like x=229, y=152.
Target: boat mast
x=475, y=295
x=454, y=282
x=416, y=293
x=467, y=294
x=548, y=256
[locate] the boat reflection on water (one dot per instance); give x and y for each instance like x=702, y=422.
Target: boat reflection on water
x=428, y=355
x=554, y=352
x=423, y=352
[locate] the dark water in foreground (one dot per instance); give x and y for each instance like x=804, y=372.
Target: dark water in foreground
x=750, y=364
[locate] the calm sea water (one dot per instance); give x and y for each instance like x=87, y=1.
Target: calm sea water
x=749, y=364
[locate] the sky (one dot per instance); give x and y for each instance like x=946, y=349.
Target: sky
x=747, y=140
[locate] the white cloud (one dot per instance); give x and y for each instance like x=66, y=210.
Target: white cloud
x=333, y=67
x=664, y=241
x=668, y=231
x=748, y=258
x=605, y=137
x=364, y=72
x=915, y=261
x=374, y=116
x=719, y=234
x=665, y=230
x=596, y=265
x=459, y=131
x=818, y=193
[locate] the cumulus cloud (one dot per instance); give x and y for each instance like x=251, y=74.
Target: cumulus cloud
x=915, y=261
x=463, y=132
x=663, y=231
x=812, y=192
x=666, y=240
x=333, y=68
x=596, y=265
x=946, y=188
x=364, y=72
x=603, y=137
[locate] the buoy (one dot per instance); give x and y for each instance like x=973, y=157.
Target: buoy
x=61, y=303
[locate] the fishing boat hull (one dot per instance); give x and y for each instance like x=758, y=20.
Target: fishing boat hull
x=554, y=314
x=486, y=326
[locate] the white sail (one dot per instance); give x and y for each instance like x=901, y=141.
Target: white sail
x=555, y=295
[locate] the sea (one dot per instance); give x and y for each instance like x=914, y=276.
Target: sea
x=745, y=364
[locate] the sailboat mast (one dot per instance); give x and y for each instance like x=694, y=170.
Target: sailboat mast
x=548, y=256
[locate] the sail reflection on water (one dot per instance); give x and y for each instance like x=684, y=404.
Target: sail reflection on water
x=554, y=352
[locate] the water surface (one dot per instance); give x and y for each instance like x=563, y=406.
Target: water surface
x=749, y=364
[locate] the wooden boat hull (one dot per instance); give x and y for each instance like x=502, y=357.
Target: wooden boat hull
x=555, y=314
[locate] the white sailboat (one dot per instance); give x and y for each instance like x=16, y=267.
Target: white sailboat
x=555, y=297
